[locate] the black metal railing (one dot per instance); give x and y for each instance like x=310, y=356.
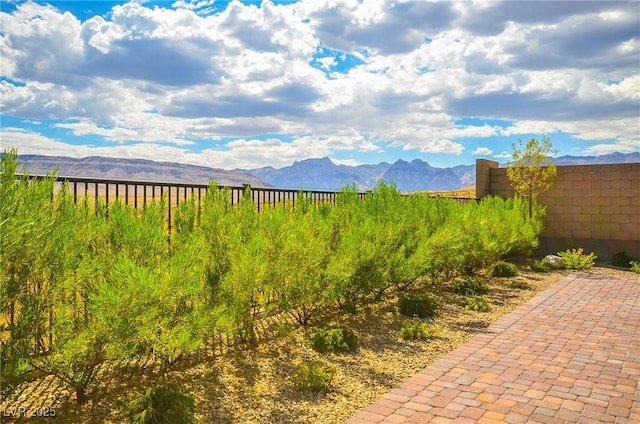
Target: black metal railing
x=139, y=193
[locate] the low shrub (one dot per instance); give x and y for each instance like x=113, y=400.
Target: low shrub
x=635, y=267
x=503, y=269
x=622, y=259
x=478, y=304
x=539, y=266
x=15, y=371
x=169, y=403
x=520, y=285
x=576, y=259
x=416, y=330
x=470, y=287
x=418, y=305
x=284, y=330
x=313, y=377
x=334, y=339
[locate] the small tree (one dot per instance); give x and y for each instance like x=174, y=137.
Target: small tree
x=532, y=170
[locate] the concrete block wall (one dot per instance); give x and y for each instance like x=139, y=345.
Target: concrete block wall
x=596, y=207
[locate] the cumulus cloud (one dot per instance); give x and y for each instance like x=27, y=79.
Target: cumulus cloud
x=623, y=145
x=491, y=18
x=384, y=27
x=503, y=155
x=332, y=75
x=482, y=151
x=240, y=153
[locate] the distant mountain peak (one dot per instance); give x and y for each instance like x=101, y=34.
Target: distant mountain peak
x=135, y=170
x=311, y=173
x=324, y=161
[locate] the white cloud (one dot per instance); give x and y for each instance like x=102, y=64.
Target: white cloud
x=146, y=133
x=327, y=62
x=623, y=145
x=346, y=162
x=592, y=130
x=197, y=5
x=28, y=142
x=443, y=146
x=503, y=155
x=482, y=151
x=239, y=153
x=146, y=75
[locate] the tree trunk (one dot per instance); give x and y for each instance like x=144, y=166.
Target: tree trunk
x=81, y=396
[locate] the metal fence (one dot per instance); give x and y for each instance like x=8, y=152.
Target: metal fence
x=140, y=193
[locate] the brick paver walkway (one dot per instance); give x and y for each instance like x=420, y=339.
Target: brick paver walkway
x=571, y=354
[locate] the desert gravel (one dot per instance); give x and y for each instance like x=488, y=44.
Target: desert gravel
x=253, y=384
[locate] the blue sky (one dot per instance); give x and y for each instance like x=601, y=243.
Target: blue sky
x=251, y=84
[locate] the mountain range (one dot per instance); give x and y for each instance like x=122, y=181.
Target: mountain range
x=318, y=174
x=323, y=174
x=135, y=170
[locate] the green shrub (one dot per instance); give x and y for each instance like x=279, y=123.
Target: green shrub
x=539, y=266
x=576, y=259
x=470, y=287
x=416, y=330
x=635, y=267
x=622, y=260
x=169, y=404
x=478, y=304
x=420, y=305
x=334, y=339
x=520, y=285
x=313, y=377
x=503, y=269
x=14, y=371
x=284, y=330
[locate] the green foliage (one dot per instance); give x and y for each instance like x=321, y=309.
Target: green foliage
x=334, y=339
x=470, y=287
x=532, y=171
x=416, y=330
x=478, y=304
x=284, y=330
x=299, y=245
x=87, y=283
x=418, y=305
x=168, y=404
x=576, y=259
x=538, y=266
x=622, y=259
x=15, y=370
x=503, y=269
x=313, y=377
x=635, y=267
x=520, y=285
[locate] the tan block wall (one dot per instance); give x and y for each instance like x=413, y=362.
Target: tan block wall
x=600, y=203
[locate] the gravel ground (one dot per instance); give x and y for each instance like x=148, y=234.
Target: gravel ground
x=253, y=385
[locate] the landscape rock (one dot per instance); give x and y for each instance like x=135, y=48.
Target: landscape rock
x=555, y=262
